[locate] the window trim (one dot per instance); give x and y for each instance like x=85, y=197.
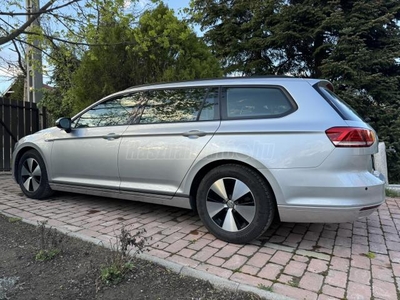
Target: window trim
x=224, y=104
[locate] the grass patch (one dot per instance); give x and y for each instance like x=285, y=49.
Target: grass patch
x=237, y=270
x=50, y=242
x=114, y=274
x=44, y=255
x=265, y=288
x=120, y=262
x=392, y=193
x=14, y=220
x=294, y=282
x=370, y=255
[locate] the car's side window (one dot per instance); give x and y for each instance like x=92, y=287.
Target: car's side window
x=123, y=110
x=180, y=105
x=253, y=102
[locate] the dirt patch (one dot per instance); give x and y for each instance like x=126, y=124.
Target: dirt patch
x=72, y=274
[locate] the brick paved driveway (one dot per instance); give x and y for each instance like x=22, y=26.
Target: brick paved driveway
x=359, y=260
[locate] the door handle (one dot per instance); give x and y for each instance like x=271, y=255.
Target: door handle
x=194, y=133
x=111, y=136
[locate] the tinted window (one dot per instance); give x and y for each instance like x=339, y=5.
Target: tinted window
x=179, y=105
x=118, y=111
x=341, y=106
x=251, y=102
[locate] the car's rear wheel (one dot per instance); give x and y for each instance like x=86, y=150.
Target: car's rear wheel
x=32, y=176
x=235, y=203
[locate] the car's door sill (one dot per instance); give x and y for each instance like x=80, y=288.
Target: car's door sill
x=177, y=201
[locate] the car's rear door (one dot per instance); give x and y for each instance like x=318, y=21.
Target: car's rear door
x=175, y=125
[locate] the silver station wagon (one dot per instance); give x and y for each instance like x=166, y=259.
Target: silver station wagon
x=240, y=151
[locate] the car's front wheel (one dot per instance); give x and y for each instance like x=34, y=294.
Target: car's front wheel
x=235, y=203
x=32, y=176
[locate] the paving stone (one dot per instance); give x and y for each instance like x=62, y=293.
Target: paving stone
x=251, y=280
x=249, y=270
x=235, y=262
x=186, y=252
x=221, y=272
x=342, y=251
x=183, y=260
x=336, y=278
x=311, y=281
x=259, y=259
x=205, y=253
x=383, y=289
x=317, y=266
x=226, y=251
x=270, y=271
x=360, y=275
x=216, y=261
x=333, y=291
x=359, y=261
x=358, y=291
x=295, y=268
x=341, y=264
x=281, y=257
x=326, y=297
x=294, y=292
x=248, y=250
x=382, y=273
x=286, y=279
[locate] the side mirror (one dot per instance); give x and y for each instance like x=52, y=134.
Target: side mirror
x=64, y=123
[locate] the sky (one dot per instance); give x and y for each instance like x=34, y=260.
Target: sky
x=6, y=75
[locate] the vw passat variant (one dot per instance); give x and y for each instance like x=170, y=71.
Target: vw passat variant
x=240, y=151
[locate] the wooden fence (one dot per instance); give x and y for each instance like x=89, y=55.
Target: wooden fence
x=17, y=119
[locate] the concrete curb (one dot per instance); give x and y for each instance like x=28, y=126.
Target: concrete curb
x=216, y=281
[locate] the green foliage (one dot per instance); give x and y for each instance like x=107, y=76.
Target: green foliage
x=370, y=255
x=119, y=263
x=14, y=219
x=364, y=66
x=44, y=255
x=50, y=242
x=115, y=273
x=18, y=88
x=159, y=48
x=392, y=193
x=265, y=288
x=355, y=44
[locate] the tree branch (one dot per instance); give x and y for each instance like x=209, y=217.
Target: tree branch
x=14, y=34
x=12, y=14
x=20, y=63
x=37, y=48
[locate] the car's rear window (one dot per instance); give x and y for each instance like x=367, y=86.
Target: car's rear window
x=344, y=110
x=255, y=102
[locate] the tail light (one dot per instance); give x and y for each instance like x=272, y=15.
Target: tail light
x=351, y=136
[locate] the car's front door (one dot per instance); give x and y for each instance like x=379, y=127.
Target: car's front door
x=88, y=155
x=175, y=125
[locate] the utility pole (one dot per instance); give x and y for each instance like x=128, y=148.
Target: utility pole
x=34, y=80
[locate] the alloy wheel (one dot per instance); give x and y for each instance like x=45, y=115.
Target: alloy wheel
x=230, y=204
x=31, y=174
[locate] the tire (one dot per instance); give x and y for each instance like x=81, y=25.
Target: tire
x=32, y=176
x=235, y=203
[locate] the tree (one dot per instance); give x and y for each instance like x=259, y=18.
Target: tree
x=355, y=44
x=159, y=48
x=58, y=22
x=365, y=67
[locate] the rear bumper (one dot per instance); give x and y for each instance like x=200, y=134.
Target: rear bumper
x=309, y=196
x=334, y=214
